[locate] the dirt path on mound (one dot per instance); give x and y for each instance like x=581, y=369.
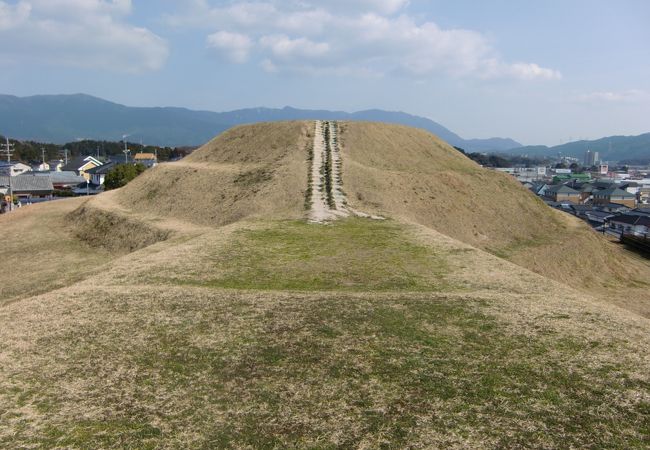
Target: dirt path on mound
x=320, y=211
x=328, y=200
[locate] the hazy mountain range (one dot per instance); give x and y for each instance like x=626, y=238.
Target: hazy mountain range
x=64, y=118
x=628, y=149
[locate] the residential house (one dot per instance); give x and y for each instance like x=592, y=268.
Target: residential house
x=562, y=193
x=612, y=208
x=42, y=167
x=587, y=192
x=614, y=195
x=13, y=168
x=98, y=174
x=146, y=159
x=88, y=188
x=630, y=224
x=56, y=165
x=81, y=164
x=631, y=187
x=65, y=179
x=27, y=186
x=598, y=218
x=539, y=188
x=604, y=184
x=581, y=210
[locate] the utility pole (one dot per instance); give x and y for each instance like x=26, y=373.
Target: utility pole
x=126, y=152
x=7, y=150
x=43, y=157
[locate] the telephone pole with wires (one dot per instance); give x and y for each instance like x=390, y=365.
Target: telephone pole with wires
x=126, y=150
x=7, y=150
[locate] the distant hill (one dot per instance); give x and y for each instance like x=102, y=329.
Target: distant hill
x=64, y=118
x=626, y=149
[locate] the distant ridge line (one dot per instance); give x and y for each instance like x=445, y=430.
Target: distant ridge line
x=66, y=118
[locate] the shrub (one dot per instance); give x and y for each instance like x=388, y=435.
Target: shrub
x=122, y=174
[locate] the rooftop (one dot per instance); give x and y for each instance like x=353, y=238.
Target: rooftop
x=632, y=219
x=614, y=192
x=103, y=169
x=28, y=183
x=140, y=156
x=78, y=162
x=561, y=189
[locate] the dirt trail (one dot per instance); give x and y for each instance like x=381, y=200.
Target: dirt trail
x=320, y=211
x=328, y=201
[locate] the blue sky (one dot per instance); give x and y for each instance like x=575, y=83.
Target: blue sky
x=541, y=72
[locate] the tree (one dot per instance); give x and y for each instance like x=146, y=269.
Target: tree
x=121, y=174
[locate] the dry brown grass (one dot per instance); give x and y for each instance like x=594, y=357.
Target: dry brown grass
x=40, y=251
x=258, y=170
x=408, y=173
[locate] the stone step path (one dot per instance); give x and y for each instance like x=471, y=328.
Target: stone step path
x=319, y=211
x=327, y=200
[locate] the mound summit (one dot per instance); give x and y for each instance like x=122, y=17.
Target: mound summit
x=199, y=307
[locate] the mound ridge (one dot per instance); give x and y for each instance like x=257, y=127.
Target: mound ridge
x=389, y=170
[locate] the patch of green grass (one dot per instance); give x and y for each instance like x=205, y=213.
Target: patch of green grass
x=519, y=245
x=110, y=433
x=341, y=372
x=350, y=255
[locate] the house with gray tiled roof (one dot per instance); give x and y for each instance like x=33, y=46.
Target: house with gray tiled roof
x=81, y=165
x=98, y=174
x=563, y=193
x=614, y=195
x=28, y=185
x=65, y=179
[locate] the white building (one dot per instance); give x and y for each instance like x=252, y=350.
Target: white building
x=13, y=168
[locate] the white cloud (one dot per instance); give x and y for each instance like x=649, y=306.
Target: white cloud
x=531, y=71
x=378, y=6
x=355, y=37
x=285, y=48
x=234, y=45
x=12, y=16
x=80, y=33
x=628, y=96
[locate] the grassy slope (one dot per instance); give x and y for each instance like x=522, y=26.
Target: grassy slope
x=477, y=356
x=408, y=173
x=277, y=334
x=256, y=170
x=40, y=251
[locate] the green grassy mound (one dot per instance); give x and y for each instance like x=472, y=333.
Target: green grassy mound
x=349, y=255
